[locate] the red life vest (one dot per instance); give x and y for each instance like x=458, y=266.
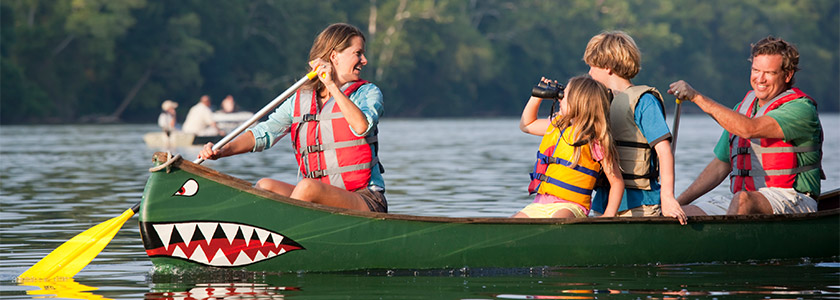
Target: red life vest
x=325, y=147
x=758, y=163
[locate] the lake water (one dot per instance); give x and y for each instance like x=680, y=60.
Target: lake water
x=58, y=181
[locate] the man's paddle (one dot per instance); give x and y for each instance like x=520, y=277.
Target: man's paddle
x=72, y=256
x=676, y=127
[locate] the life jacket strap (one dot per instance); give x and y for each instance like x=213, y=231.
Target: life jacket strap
x=339, y=170
x=332, y=146
x=545, y=178
x=755, y=173
x=559, y=161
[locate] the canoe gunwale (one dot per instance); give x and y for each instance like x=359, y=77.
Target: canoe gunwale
x=245, y=186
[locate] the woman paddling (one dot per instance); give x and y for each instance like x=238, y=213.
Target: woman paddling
x=333, y=124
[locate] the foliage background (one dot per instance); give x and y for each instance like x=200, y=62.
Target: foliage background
x=66, y=61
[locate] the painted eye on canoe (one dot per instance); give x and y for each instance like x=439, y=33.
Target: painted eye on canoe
x=188, y=189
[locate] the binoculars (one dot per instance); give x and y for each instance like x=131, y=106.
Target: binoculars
x=548, y=90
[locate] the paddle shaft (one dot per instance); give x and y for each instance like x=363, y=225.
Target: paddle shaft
x=677, y=112
x=262, y=113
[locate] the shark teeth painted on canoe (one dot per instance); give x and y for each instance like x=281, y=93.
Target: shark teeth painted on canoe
x=216, y=244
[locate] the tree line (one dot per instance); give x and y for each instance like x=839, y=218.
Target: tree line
x=65, y=61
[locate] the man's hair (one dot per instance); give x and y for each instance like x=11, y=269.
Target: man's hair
x=614, y=50
x=772, y=45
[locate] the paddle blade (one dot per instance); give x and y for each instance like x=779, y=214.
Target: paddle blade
x=72, y=256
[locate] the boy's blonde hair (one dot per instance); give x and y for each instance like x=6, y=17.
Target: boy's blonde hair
x=588, y=110
x=614, y=50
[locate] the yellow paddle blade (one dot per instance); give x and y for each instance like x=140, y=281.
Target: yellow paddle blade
x=72, y=256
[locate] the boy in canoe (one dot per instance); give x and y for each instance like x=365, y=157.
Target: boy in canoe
x=771, y=146
x=637, y=123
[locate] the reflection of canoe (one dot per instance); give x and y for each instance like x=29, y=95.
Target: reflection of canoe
x=192, y=217
x=177, y=139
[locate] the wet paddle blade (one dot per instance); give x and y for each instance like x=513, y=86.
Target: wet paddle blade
x=72, y=256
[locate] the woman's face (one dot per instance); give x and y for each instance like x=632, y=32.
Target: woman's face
x=348, y=63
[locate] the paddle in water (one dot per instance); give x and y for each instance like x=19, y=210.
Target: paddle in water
x=72, y=256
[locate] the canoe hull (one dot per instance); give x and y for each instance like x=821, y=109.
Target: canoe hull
x=194, y=217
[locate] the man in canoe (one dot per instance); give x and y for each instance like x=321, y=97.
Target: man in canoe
x=333, y=124
x=771, y=146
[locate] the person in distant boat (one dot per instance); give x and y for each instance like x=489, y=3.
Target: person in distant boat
x=199, y=119
x=771, y=146
x=637, y=121
x=575, y=147
x=228, y=105
x=230, y=116
x=167, y=119
x=333, y=124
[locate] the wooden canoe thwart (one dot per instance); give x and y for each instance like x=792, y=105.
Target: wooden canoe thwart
x=193, y=217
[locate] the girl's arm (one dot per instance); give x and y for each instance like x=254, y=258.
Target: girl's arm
x=616, y=189
x=529, y=123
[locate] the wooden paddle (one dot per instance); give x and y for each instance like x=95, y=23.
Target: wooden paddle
x=72, y=256
x=676, y=127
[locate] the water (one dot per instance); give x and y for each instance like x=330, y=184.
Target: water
x=57, y=181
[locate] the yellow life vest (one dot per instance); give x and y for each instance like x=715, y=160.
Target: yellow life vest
x=553, y=173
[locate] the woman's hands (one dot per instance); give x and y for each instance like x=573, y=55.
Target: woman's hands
x=208, y=153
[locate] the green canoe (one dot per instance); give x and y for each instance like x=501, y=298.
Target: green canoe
x=195, y=218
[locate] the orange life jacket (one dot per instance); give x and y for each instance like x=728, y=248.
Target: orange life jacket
x=758, y=163
x=325, y=147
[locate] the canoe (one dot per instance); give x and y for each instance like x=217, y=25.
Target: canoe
x=195, y=218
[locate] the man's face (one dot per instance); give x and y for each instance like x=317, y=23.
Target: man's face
x=767, y=78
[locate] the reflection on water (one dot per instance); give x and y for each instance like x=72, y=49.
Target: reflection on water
x=58, y=181
x=67, y=289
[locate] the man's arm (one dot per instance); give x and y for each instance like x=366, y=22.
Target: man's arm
x=732, y=121
x=711, y=177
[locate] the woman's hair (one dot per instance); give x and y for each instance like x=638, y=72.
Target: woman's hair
x=588, y=104
x=614, y=50
x=335, y=37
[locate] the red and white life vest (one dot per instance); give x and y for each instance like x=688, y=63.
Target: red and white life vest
x=325, y=148
x=758, y=163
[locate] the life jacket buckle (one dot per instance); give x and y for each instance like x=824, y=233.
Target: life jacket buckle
x=310, y=117
x=314, y=148
x=315, y=174
x=742, y=172
x=742, y=150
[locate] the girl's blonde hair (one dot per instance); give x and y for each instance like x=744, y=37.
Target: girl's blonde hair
x=588, y=105
x=335, y=37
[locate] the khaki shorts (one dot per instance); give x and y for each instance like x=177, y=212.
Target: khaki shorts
x=641, y=211
x=783, y=201
x=547, y=210
x=375, y=199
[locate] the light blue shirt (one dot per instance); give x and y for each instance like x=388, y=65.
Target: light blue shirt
x=650, y=118
x=369, y=100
